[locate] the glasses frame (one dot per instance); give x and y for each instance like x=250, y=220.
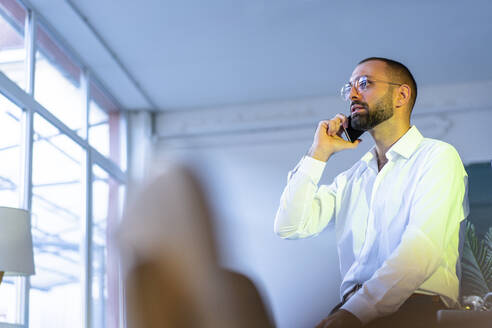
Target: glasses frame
x=347, y=87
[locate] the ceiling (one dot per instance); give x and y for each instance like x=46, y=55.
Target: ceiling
x=174, y=55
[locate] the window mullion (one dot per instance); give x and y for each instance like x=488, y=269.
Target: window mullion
x=87, y=240
x=27, y=145
x=87, y=216
x=30, y=44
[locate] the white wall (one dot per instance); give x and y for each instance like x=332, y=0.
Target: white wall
x=244, y=153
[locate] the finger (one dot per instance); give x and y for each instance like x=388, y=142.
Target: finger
x=344, y=144
x=322, y=126
x=330, y=128
x=343, y=118
x=334, y=126
x=355, y=143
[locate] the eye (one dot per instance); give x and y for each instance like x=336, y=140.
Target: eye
x=363, y=83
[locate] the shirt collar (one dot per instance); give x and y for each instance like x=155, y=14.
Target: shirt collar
x=405, y=146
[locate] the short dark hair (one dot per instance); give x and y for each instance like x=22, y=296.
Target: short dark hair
x=399, y=73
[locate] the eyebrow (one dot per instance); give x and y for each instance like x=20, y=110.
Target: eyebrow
x=358, y=77
x=366, y=75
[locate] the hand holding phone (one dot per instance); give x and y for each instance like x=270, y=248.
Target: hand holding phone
x=328, y=138
x=350, y=133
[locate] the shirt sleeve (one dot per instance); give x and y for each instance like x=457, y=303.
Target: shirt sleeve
x=438, y=207
x=305, y=209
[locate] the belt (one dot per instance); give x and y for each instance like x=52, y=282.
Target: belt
x=433, y=298
x=414, y=296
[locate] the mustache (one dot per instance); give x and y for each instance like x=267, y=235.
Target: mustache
x=360, y=103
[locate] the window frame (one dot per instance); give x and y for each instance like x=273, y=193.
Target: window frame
x=25, y=100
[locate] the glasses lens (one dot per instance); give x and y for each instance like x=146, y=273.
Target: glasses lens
x=345, y=91
x=362, y=83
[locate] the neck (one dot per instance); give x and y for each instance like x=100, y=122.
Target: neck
x=386, y=134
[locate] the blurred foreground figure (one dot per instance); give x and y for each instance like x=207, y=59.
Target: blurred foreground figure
x=170, y=265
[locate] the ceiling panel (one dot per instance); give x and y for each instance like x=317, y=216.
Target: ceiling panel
x=191, y=53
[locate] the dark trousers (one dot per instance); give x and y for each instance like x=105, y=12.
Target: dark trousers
x=419, y=311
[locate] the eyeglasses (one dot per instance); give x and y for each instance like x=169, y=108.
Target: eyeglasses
x=361, y=84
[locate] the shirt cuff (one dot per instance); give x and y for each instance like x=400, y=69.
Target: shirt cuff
x=358, y=306
x=312, y=167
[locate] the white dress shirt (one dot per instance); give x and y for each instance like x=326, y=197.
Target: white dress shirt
x=397, y=230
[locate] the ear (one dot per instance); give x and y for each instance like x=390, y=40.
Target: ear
x=403, y=97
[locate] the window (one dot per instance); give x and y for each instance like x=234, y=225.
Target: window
x=57, y=212
x=105, y=128
x=107, y=200
x=10, y=193
x=43, y=168
x=480, y=196
x=57, y=81
x=12, y=51
x=10, y=154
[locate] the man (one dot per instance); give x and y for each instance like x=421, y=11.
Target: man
x=396, y=212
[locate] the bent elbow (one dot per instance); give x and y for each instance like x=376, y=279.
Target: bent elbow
x=285, y=231
x=287, y=226
x=286, y=234
x=281, y=229
x=282, y=232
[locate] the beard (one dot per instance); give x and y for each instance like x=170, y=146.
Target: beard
x=381, y=111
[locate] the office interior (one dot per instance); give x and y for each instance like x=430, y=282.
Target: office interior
x=98, y=97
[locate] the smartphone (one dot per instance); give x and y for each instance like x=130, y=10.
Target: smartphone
x=350, y=133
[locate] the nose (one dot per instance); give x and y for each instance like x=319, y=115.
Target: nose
x=354, y=93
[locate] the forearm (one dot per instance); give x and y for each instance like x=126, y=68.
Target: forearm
x=320, y=153
x=304, y=208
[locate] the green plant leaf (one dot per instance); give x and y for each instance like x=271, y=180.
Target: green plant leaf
x=476, y=264
x=487, y=240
